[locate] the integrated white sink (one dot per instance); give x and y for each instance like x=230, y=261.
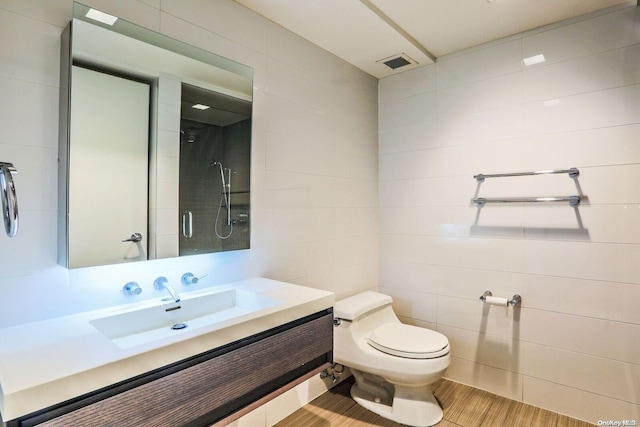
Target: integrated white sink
x=144, y=325
x=48, y=362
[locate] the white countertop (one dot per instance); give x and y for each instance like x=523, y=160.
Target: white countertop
x=48, y=362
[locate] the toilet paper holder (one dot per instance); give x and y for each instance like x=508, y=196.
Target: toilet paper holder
x=515, y=300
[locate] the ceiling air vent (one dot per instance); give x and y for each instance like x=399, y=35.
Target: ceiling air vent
x=397, y=61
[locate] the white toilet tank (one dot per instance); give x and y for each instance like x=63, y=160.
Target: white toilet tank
x=361, y=315
x=353, y=307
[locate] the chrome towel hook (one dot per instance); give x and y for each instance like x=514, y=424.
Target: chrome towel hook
x=9, y=199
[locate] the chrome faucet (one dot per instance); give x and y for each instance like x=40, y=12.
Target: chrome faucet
x=162, y=283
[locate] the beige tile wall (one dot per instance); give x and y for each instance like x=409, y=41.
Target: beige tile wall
x=314, y=159
x=573, y=345
x=314, y=165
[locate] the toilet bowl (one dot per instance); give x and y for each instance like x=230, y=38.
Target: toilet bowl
x=393, y=364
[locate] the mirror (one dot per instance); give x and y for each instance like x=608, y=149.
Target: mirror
x=155, y=145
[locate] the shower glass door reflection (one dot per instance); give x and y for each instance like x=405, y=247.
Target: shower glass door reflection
x=215, y=151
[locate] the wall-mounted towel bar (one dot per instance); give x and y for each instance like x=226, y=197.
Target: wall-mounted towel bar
x=9, y=199
x=573, y=173
x=573, y=200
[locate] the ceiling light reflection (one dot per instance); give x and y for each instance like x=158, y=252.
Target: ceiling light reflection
x=536, y=59
x=105, y=18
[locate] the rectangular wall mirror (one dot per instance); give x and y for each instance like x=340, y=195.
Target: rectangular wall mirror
x=155, y=146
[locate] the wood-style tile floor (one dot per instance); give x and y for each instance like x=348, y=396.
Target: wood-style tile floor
x=463, y=406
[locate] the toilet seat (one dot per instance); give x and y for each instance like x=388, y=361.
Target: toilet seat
x=409, y=341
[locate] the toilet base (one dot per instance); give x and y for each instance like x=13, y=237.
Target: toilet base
x=412, y=406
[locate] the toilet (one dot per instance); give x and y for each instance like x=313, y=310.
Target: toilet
x=393, y=364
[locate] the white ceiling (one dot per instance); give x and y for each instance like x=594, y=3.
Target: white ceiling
x=363, y=32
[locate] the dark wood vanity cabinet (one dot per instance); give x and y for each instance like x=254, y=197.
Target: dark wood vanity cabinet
x=203, y=389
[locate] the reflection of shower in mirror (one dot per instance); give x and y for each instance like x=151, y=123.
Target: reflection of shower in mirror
x=188, y=135
x=214, y=186
x=214, y=171
x=225, y=196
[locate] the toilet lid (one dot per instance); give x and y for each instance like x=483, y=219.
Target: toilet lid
x=409, y=341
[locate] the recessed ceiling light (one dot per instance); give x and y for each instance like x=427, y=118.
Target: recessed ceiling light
x=105, y=18
x=200, y=107
x=536, y=59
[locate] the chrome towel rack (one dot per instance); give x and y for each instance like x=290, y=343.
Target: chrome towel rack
x=573, y=200
x=9, y=199
x=573, y=173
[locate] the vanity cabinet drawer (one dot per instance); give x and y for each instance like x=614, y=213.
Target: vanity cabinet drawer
x=207, y=388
